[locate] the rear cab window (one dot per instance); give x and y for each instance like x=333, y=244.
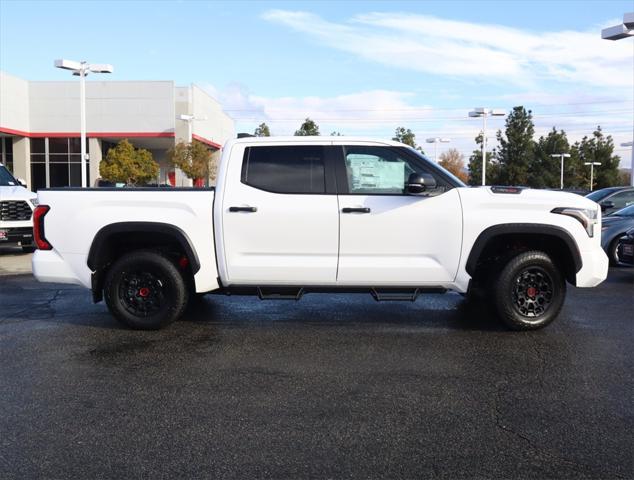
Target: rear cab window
x=285, y=169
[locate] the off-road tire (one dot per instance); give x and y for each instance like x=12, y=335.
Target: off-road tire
x=145, y=290
x=529, y=291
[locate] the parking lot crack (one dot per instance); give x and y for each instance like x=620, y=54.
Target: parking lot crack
x=538, y=450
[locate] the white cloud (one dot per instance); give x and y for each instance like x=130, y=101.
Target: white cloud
x=470, y=50
x=370, y=112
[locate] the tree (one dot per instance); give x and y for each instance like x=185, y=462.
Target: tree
x=597, y=148
x=545, y=171
x=262, y=130
x=407, y=137
x=475, y=166
x=516, y=151
x=194, y=159
x=453, y=161
x=336, y=134
x=308, y=128
x=124, y=163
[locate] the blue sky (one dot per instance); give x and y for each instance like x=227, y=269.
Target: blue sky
x=357, y=67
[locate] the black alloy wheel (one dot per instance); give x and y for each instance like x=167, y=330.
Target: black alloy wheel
x=529, y=291
x=145, y=290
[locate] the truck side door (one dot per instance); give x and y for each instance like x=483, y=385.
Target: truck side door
x=280, y=217
x=390, y=237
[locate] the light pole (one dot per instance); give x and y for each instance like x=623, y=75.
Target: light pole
x=81, y=69
x=562, y=155
x=484, y=113
x=617, y=32
x=629, y=144
x=190, y=119
x=435, y=141
x=592, y=164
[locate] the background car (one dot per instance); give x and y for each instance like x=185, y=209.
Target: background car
x=613, y=228
x=16, y=208
x=625, y=249
x=612, y=199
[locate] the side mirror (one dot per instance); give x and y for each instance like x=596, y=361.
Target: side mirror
x=22, y=182
x=418, y=183
x=606, y=204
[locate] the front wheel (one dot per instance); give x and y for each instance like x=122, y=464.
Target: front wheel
x=530, y=291
x=145, y=290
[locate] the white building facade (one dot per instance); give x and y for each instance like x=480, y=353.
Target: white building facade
x=39, y=126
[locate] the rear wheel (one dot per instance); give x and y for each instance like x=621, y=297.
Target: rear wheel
x=530, y=291
x=145, y=290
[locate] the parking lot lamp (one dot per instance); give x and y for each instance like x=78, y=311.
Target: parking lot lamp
x=81, y=69
x=484, y=113
x=592, y=164
x=562, y=156
x=618, y=32
x=435, y=141
x=190, y=119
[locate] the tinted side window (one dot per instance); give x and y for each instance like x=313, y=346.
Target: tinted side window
x=285, y=169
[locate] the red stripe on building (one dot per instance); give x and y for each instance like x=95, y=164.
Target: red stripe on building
x=206, y=142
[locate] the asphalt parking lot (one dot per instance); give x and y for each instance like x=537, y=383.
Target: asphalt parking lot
x=329, y=387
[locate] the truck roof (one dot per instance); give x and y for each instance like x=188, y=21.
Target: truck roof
x=318, y=139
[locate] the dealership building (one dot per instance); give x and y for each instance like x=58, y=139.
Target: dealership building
x=40, y=123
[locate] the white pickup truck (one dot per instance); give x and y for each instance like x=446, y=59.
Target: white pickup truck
x=16, y=208
x=311, y=214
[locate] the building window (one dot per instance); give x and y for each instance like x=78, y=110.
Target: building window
x=56, y=162
x=6, y=149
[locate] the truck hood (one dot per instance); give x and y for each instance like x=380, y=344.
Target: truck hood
x=16, y=192
x=527, y=199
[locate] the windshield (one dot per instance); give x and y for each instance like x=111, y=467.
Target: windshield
x=625, y=212
x=598, y=195
x=6, y=179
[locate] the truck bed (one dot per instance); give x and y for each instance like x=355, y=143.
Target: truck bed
x=77, y=215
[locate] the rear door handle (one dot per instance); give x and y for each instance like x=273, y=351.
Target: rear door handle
x=355, y=210
x=243, y=209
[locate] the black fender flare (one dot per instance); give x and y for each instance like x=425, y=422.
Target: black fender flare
x=102, y=236
x=522, y=228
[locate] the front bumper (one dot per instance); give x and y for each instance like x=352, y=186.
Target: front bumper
x=22, y=235
x=594, y=269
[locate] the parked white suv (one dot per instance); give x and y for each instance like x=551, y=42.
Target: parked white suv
x=16, y=209
x=296, y=215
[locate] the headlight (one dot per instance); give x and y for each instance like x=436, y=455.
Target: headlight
x=586, y=216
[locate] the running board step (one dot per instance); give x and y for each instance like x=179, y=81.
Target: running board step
x=402, y=294
x=281, y=293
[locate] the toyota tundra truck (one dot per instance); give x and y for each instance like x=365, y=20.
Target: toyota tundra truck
x=16, y=208
x=291, y=216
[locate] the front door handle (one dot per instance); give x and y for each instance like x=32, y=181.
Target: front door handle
x=243, y=209
x=355, y=210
